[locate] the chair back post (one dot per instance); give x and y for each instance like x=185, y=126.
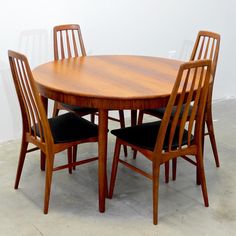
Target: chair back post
x=67, y=41
x=32, y=109
x=201, y=111
x=190, y=89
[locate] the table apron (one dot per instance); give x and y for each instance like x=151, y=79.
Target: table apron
x=104, y=103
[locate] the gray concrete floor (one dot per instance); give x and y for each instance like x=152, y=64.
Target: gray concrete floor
x=74, y=206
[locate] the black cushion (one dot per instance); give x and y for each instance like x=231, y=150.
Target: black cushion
x=74, y=108
x=159, y=112
x=145, y=135
x=70, y=127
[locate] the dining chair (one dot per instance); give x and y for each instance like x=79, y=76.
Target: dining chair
x=170, y=137
x=49, y=135
x=206, y=46
x=68, y=43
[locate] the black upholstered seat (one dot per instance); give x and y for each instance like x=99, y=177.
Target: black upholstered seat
x=70, y=127
x=145, y=135
x=77, y=109
x=159, y=112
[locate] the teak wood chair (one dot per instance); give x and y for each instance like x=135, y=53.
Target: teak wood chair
x=206, y=46
x=171, y=137
x=49, y=135
x=67, y=39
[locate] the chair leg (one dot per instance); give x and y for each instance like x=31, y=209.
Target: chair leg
x=210, y=128
x=114, y=168
x=55, y=109
x=174, y=167
x=69, y=156
x=140, y=117
x=48, y=181
x=167, y=170
x=198, y=180
x=134, y=154
x=74, y=155
x=133, y=117
x=92, y=118
x=23, y=151
x=202, y=177
x=42, y=161
x=122, y=125
x=155, y=192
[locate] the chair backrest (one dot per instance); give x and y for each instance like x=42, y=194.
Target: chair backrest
x=190, y=89
x=207, y=46
x=68, y=42
x=32, y=109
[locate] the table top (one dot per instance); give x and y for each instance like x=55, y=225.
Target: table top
x=108, y=82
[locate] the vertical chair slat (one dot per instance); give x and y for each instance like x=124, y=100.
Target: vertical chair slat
x=74, y=44
x=201, y=48
x=62, y=46
x=83, y=52
x=207, y=48
x=68, y=44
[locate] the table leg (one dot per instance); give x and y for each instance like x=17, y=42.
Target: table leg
x=133, y=123
x=102, y=160
x=42, y=154
x=133, y=117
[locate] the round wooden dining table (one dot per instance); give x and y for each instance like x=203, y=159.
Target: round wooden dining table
x=107, y=82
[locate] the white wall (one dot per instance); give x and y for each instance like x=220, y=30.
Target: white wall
x=145, y=27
